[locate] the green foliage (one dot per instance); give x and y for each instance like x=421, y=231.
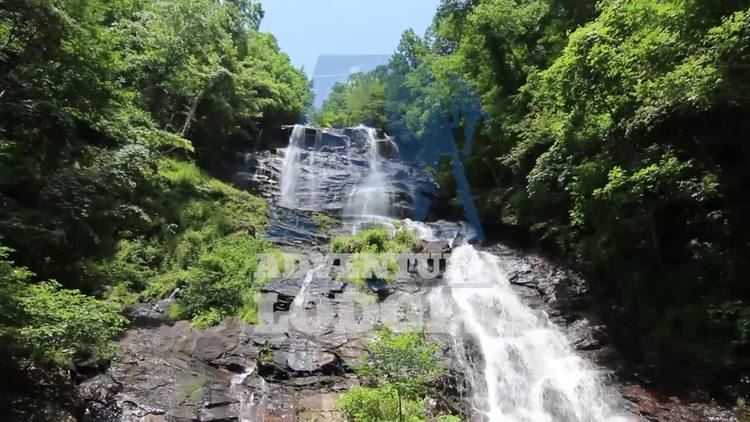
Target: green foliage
x=375, y=254
x=408, y=361
x=205, y=245
x=95, y=96
x=132, y=266
x=365, y=404
x=221, y=279
x=324, y=223
x=610, y=131
x=207, y=318
x=377, y=240
x=47, y=323
x=359, y=101
x=648, y=211
x=366, y=267
x=443, y=175
x=198, y=202
x=401, y=368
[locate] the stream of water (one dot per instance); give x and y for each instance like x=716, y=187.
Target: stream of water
x=530, y=372
x=290, y=168
x=372, y=195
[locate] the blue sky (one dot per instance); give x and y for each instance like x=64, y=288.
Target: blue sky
x=308, y=28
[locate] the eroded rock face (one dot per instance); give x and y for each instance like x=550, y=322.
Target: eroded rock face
x=180, y=373
x=332, y=163
x=293, y=365
x=654, y=407
x=292, y=371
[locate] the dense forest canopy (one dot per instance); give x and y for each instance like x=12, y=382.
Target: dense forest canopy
x=103, y=106
x=614, y=132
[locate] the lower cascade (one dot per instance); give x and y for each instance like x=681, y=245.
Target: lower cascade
x=530, y=372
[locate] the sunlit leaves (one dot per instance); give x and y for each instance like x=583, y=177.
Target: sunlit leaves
x=48, y=323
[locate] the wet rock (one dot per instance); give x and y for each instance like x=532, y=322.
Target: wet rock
x=320, y=407
x=386, y=148
x=149, y=314
x=220, y=413
x=309, y=382
x=654, y=407
x=174, y=372
x=99, y=395
x=436, y=247
x=217, y=394
x=332, y=163
x=286, y=288
x=290, y=357
x=587, y=337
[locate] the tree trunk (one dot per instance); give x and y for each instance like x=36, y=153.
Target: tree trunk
x=655, y=241
x=400, y=411
x=191, y=114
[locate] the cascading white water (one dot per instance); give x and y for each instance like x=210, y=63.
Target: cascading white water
x=298, y=305
x=248, y=403
x=299, y=300
x=290, y=167
x=316, y=175
x=373, y=195
x=530, y=372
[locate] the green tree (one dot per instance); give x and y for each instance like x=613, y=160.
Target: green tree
x=407, y=363
x=359, y=101
x=46, y=323
x=98, y=100
x=363, y=404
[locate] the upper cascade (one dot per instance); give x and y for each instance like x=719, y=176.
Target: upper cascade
x=375, y=193
x=353, y=172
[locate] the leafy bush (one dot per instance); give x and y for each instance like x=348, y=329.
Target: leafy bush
x=363, y=404
x=205, y=244
x=407, y=361
x=224, y=279
x=377, y=240
x=162, y=285
x=193, y=200
x=375, y=252
x=366, y=266
x=51, y=324
x=402, y=368
x=134, y=263
x=324, y=223
x=207, y=318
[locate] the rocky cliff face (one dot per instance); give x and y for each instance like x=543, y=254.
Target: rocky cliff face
x=332, y=162
x=291, y=367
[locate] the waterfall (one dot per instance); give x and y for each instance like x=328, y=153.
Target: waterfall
x=290, y=167
x=249, y=406
x=373, y=195
x=312, y=160
x=298, y=305
x=530, y=372
x=519, y=366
